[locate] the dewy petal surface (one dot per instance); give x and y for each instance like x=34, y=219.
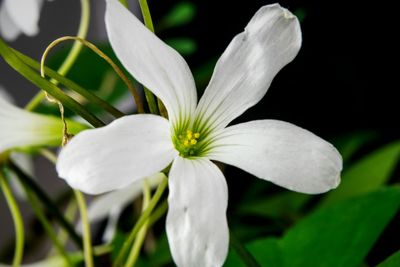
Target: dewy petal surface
x=25, y=14
x=197, y=227
x=8, y=29
x=112, y=157
x=245, y=71
x=152, y=62
x=282, y=153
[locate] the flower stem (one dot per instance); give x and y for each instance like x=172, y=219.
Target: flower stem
x=71, y=85
x=87, y=242
x=144, y=7
x=16, y=63
x=47, y=202
x=247, y=258
x=96, y=50
x=137, y=245
x=72, y=55
x=142, y=220
x=47, y=225
x=18, y=222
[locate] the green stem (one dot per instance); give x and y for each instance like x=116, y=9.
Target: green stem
x=70, y=84
x=242, y=252
x=18, y=221
x=96, y=50
x=125, y=3
x=47, y=202
x=14, y=61
x=137, y=245
x=158, y=213
x=144, y=7
x=72, y=55
x=142, y=220
x=87, y=242
x=47, y=225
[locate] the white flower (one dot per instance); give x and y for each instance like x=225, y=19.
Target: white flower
x=21, y=128
x=19, y=16
x=136, y=146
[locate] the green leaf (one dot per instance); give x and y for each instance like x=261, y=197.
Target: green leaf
x=184, y=46
x=368, y=174
x=348, y=144
x=49, y=87
x=286, y=204
x=340, y=234
x=182, y=13
x=392, y=261
x=266, y=251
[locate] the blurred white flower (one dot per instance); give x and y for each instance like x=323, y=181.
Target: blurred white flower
x=19, y=16
x=110, y=205
x=138, y=146
x=21, y=128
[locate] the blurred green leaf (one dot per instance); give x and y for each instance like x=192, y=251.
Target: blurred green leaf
x=266, y=251
x=184, y=46
x=286, y=204
x=182, y=13
x=366, y=175
x=392, y=261
x=340, y=234
x=161, y=255
x=348, y=144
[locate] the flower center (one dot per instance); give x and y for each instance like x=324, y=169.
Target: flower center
x=187, y=143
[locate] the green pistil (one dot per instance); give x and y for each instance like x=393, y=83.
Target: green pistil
x=187, y=143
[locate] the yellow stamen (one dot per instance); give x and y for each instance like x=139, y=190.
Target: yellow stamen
x=196, y=135
x=193, y=141
x=186, y=142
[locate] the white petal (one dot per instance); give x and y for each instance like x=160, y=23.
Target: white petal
x=245, y=71
x=114, y=156
x=25, y=14
x=20, y=128
x=152, y=62
x=8, y=29
x=197, y=228
x=282, y=153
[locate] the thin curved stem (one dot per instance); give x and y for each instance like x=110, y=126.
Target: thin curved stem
x=47, y=225
x=87, y=242
x=72, y=55
x=142, y=220
x=18, y=221
x=137, y=245
x=47, y=202
x=96, y=50
x=91, y=97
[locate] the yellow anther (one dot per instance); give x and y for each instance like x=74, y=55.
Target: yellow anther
x=196, y=135
x=186, y=142
x=180, y=137
x=193, y=141
x=189, y=134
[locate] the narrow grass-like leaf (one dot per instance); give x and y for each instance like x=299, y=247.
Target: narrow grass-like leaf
x=15, y=62
x=71, y=85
